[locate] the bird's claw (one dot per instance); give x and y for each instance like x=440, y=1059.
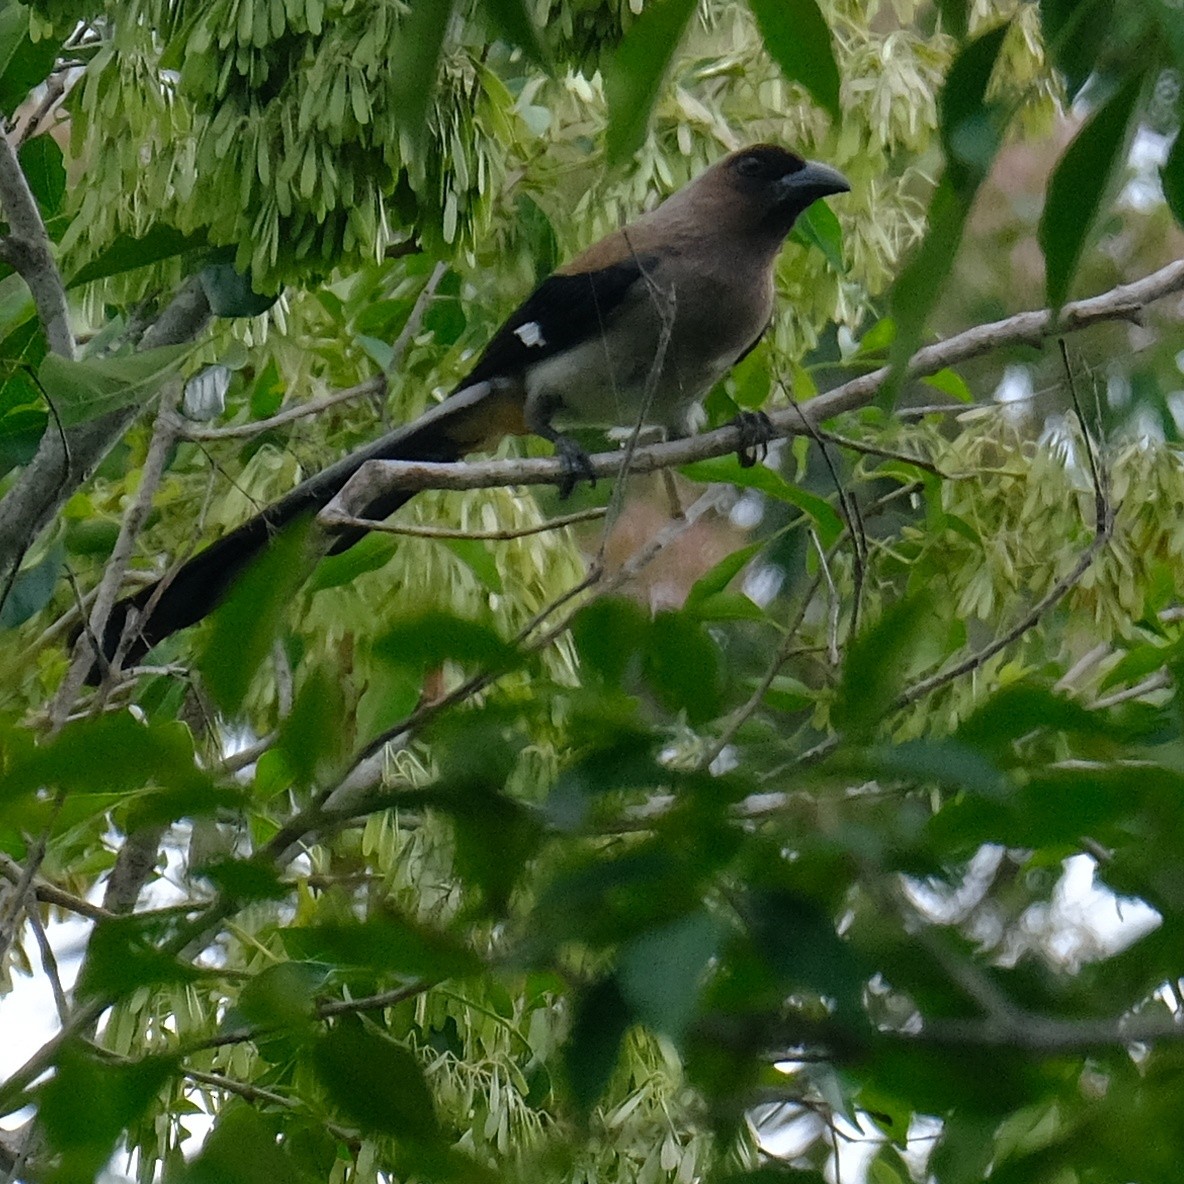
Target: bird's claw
x=576, y=465
x=756, y=430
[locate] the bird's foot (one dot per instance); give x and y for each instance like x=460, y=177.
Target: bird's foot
x=576, y=465
x=756, y=430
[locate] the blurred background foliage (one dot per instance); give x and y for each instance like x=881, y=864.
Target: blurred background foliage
x=732, y=878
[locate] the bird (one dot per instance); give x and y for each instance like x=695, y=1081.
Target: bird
x=638, y=327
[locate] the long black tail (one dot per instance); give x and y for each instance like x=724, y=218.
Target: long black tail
x=446, y=433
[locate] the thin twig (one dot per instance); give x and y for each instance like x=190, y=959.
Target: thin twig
x=785, y=651
x=48, y=962
x=164, y=435
x=256, y=1093
x=346, y=521
x=1103, y=529
x=832, y=631
x=48, y=893
x=415, y=321
x=875, y=450
x=244, y=431
x=1158, y=681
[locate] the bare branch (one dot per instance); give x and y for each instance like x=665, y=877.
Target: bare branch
x=26, y=248
x=440, y=532
x=1025, y=1032
x=256, y=1093
x=377, y=478
x=243, y=431
x=48, y=893
x=62, y=464
x=164, y=435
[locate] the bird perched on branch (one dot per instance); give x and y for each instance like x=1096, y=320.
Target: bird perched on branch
x=637, y=328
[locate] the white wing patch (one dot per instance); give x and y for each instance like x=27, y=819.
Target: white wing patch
x=530, y=334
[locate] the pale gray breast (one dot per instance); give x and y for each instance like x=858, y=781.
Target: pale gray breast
x=707, y=321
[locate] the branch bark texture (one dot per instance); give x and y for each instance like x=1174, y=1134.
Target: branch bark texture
x=1125, y=302
x=64, y=460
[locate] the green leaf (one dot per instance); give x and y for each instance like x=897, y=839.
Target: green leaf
x=14, y=34
x=798, y=940
x=415, y=64
x=243, y=880
x=951, y=383
x=971, y=130
x=1172, y=177
x=599, y=1023
x=33, y=587
x=246, y=624
x=128, y=252
x=938, y=762
x=375, y=1082
x=23, y=62
x=382, y=945
x=89, y=1102
x=371, y=554
x=964, y=1151
x=432, y=638
x=661, y=972
x=282, y=996
x=1142, y=660
x=722, y=574
x=1022, y=708
x=231, y=293
x=789, y=694
x=819, y=227
x=242, y=1149
x=634, y=75
x=109, y=754
x=1083, y=185
x=476, y=555
x=124, y=955
x=267, y=391
x=727, y=606
x=515, y=22
x=477, y=812
x=607, y=634
x=728, y=469
x=971, y=127
x=312, y=739
x=954, y=16
x=684, y=666
x=774, y=1173
x=920, y=282
x=798, y=40
x=80, y=391
x=41, y=162
x=878, y=338
x=624, y=761
x=1075, y=32
x=875, y=668
x=20, y=433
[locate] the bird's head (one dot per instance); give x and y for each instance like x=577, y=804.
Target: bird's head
x=768, y=187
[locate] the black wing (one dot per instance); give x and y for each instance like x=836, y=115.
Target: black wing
x=562, y=312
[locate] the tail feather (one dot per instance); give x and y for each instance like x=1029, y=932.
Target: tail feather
x=444, y=434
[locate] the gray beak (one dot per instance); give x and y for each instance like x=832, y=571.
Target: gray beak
x=813, y=181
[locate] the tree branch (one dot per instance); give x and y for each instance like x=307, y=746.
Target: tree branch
x=26, y=249
x=244, y=431
x=64, y=461
x=377, y=478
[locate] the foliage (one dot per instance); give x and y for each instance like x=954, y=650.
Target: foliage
x=487, y=869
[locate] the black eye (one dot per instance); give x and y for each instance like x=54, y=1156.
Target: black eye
x=749, y=166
